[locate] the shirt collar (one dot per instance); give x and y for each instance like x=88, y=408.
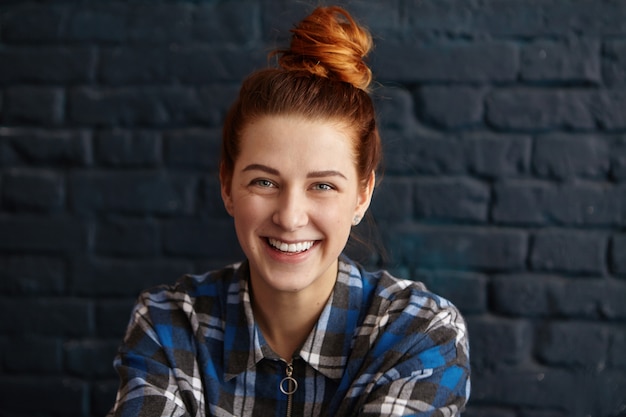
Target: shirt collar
x=326, y=348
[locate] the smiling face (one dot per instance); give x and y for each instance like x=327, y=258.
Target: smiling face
x=294, y=193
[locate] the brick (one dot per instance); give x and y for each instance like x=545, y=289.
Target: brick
x=132, y=193
x=47, y=64
x=617, y=347
x=564, y=156
x=29, y=190
x=59, y=395
x=544, y=109
x=542, y=413
x=478, y=411
x=552, y=388
x=618, y=158
x=537, y=109
x=198, y=64
x=126, y=65
x=498, y=342
x=210, y=202
x=563, y=61
x=117, y=277
x=618, y=255
x=518, y=18
x=607, y=106
x=599, y=299
x=576, y=344
x=193, y=149
x=586, y=18
x=451, y=107
x=32, y=274
x=46, y=147
x=129, y=106
x=161, y=22
x=533, y=202
x=278, y=17
x=528, y=295
x=394, y=108
x=51, y=234
x=34, y=354
x=428, y=154
x=113, y=315
x=459, y=247
x=103, y=397
x=610, y=393
x=497, y=156
x=568, y=251
x=521, y=295
x=29, y=22
x=4, y=349
x=127, y=237
x=475, y=62
x=33, y=106
x=216, y=100
x=90, y=358
x=128, y=148
x=392, y=200
x=132, y=106
x=54, y=317
x=451, y=199
x=201, y=238
x=379, y=17
x=614, y=62
x=466, y=290
x=498, y=18
x=100, y=22
x=587, y=204
x=227, y=22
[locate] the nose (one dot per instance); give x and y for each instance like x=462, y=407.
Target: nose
x=291, y=211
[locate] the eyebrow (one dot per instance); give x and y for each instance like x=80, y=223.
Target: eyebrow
x=313, y=174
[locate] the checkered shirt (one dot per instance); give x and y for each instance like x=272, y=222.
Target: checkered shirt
x=381, y=347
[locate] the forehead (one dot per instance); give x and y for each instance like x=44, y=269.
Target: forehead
x=291, y=140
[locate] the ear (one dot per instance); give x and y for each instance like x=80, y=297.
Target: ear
x=364, y=197
x=225, y=187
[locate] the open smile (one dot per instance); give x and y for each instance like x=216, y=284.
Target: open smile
x=290, y=247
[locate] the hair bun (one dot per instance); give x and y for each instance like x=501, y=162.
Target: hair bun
x=330, y=44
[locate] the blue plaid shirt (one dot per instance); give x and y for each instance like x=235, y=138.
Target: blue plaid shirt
x=381, y=347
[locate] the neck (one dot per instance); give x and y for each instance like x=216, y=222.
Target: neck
x=287, y=318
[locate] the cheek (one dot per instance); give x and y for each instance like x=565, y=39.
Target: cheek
x=251, y=209
x=335, y=216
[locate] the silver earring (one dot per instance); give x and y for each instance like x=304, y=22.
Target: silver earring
x=356, y=220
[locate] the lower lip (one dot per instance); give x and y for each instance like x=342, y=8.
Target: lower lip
x=290, y=257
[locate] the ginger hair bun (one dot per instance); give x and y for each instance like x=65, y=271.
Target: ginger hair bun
x=329, y=43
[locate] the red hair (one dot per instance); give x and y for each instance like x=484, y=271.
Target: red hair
x=322, y=76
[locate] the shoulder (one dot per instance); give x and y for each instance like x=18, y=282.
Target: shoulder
x=387, y=290
x=406, y=307
x=188, y=289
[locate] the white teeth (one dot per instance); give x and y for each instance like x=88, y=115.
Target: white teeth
x=291, y=247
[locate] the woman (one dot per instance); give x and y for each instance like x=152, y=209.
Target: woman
x=297, y=329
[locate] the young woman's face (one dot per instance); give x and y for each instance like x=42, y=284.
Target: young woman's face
x=294, y=193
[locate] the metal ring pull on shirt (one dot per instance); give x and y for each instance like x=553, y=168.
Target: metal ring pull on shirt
x=292, y=384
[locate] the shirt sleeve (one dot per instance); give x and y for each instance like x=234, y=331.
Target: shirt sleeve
x=424, y=383
x=418, y=363
x=158, y=373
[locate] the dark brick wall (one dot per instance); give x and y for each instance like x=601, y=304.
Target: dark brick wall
x=504, y=124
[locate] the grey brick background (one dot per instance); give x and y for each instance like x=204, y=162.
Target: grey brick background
x=504, y=127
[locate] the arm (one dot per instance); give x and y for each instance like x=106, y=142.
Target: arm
x=423, y=374
x=158, y=372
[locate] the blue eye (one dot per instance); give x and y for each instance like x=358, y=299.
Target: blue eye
x=324, y=187
x=264, y=183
